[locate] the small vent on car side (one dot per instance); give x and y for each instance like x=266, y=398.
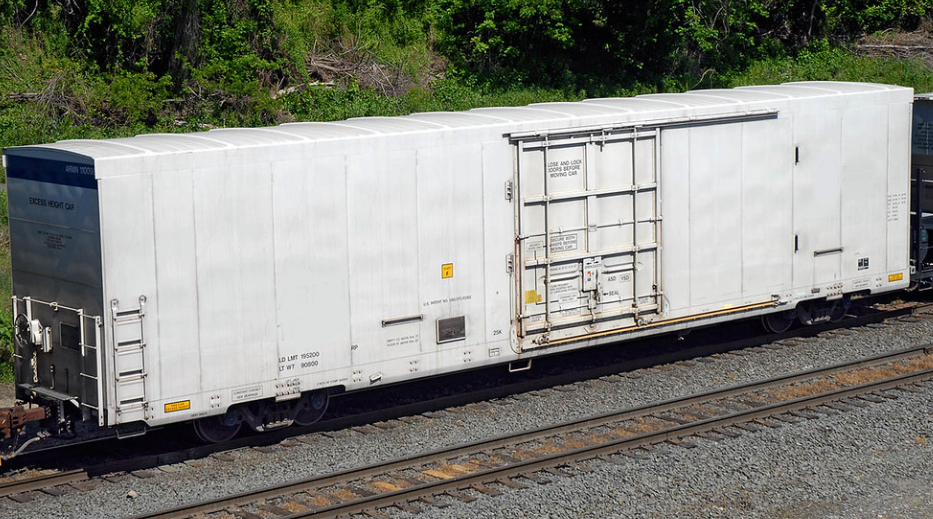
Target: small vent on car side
x=451, y=329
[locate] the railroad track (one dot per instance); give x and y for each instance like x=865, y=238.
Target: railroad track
x=537, y=456
x=40, y=482
x=20, y=488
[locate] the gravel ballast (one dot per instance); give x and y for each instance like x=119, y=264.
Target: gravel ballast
x=868, y=462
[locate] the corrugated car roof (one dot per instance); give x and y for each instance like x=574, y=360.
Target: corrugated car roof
x=322, y=131
x=389, y=124
x=519, y=113
x=580, y=109
x=654, y=106
x=456, y=119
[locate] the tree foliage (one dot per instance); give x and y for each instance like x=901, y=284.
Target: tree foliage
x=242, y=53
x=599, y=42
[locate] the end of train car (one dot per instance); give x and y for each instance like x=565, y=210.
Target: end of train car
x=240, y=277
x=921, y=193
x=55, y=226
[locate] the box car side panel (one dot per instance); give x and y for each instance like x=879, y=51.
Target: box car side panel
x=253, y=278
x=898, y=189
x=416, y=255
x=130, y=295
x=864, y=181
x=450, y=249
x=235, y=271
x=676, y=254
x=726, y=193
x=176, y=264
x=814, y=200
x=498, y=247
x=767, y=226
x=311, y=272
x=382, y=233
x=817, y=194
x=715, y=215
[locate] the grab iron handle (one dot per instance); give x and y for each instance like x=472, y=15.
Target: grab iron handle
x=824, y=252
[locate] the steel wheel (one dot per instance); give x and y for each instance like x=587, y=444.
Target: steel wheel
x=311, y=407
x=213, y=429
x=778, y=322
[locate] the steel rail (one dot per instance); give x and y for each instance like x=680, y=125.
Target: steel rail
x=459, y=482
x=41, y=482
x=524, y=467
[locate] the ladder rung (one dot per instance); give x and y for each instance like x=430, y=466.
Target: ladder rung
x=142, y=404
x=135, y=347
x=133, y=319
x=131, y=377
x=128, y=311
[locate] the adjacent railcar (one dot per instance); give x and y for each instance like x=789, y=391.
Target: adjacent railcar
x=243, y=275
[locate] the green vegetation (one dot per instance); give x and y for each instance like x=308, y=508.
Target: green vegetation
x=106, y=68
x=602, y=45
x=834, y=64
x=6, y=291
x=111, y=68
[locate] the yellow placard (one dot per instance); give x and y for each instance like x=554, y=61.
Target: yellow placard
x=447, y=270
x=895, y=277
x=532, y=297
x=178, y=406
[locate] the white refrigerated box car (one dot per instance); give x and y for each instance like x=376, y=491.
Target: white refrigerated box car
x=242, y=275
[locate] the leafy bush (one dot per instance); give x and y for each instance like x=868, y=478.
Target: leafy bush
x=821, y=62
x=6, y=292
x=601, y=44
x=6, y=337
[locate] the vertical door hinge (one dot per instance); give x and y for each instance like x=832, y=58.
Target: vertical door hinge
x=796, y=242
x=508, y=190
x=510, y=263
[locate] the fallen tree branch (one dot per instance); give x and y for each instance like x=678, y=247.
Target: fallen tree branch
x=22, y=96
x=896, y=47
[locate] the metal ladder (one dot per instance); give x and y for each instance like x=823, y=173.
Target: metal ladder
x=129, y=361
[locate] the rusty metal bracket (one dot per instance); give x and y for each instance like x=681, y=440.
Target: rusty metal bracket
x=13, y=418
